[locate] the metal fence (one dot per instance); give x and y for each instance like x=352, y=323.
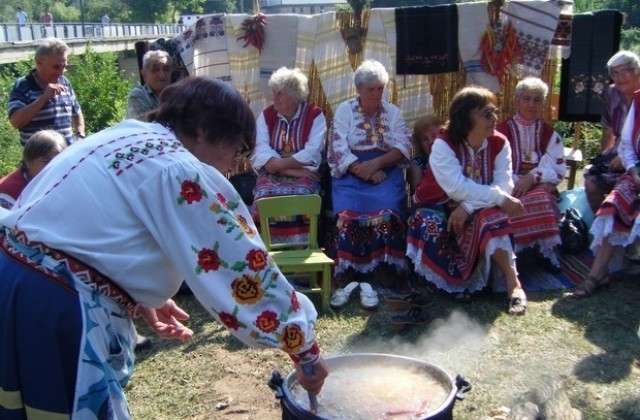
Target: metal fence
x=11, y=32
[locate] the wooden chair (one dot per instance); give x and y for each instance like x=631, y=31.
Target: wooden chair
x=573, y=156
x=298, y=257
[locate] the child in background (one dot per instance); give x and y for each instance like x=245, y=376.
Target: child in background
x=425, y=131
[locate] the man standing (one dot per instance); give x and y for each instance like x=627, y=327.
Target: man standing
x=21, y=17
x=44, y=99
x=105, y=20
x=46, y=17
x=156, y=73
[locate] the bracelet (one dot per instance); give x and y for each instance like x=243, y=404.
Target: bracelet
x=80, y=134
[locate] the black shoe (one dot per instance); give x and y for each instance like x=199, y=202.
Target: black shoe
x=142, y=343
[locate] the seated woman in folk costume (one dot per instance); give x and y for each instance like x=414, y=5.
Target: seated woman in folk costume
x=537, y=154
x=460, y=225
x=289, y=144
x=369, y=148
x=617, y=225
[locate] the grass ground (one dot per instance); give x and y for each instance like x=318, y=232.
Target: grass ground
x=592, y=345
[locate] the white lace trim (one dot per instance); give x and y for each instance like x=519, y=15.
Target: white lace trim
x=547, y=247
x=343, y=265
x=478, y=279
x=602, y=229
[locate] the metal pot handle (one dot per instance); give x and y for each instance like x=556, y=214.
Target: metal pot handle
x=463, y=387
x=276, y=383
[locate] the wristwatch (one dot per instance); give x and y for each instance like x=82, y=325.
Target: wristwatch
x=80, y=134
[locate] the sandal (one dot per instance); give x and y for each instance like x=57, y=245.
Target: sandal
x=415, y=315
x=407, y=301
x=589, y=286
x=518, y=302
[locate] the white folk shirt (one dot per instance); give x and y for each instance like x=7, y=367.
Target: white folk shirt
x=473, y=196
x=137, y=206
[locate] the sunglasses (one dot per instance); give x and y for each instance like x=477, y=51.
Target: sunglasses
x=243, y=153
x=488, y=113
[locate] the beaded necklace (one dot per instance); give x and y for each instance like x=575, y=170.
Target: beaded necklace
x=373, y=125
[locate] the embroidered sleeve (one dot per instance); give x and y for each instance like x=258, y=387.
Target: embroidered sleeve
x=311, y=154
x=263, y=150
x=449, y=174
x=626, y=150
x=339, y=154
x=401, y=137
x=552, y=166
x=205, y=229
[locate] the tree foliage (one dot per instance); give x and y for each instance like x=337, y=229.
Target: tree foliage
x=101, y=88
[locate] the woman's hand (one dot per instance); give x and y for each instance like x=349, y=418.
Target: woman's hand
x=379, y=177
x=512, y=206
x=366, y=170
x=165, y=321
x=523, y=185
x=457, y=220
x=313, y=383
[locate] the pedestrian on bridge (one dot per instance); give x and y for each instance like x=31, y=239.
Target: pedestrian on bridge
x=21, y=17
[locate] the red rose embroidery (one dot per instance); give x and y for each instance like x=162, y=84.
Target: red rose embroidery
x=222, y=199
x=229, y=321
x=292, y=339
x=208, y=259
x=267, y=322
x=295, y=305
x=257, y=259
x=247, y=290
x=190, y=191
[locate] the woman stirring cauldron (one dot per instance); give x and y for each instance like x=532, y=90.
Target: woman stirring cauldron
x=110, y=231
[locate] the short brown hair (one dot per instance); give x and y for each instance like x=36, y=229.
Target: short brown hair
x=204, y=106
x=463, y=103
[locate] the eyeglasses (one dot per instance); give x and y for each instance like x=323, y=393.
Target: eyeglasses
x=621, y=73
x=488, y=113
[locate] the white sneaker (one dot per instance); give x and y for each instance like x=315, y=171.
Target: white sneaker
x=341, y=296
x=368, y=296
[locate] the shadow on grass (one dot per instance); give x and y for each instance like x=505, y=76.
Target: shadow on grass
x=610, y=321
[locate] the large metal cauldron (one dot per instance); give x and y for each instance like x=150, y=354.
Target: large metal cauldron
x=292, y=410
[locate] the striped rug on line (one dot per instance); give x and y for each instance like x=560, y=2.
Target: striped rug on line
x=574, y=270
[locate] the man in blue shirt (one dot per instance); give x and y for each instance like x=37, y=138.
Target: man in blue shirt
x=44, y=99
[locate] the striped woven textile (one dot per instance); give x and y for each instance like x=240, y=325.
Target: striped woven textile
x=281, y=34
x=332, y=61
x=473, y=19
x=306, y=39
x=535, y=23
x=244, y=65
x=203, y=48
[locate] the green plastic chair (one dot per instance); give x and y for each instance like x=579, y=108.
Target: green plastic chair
x=298, y=257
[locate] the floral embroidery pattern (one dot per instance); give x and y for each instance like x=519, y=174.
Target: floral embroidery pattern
x=208, y=259
x=190, y=191
x=231, y=320
x=267, y=322
x=257, y=259
x=583, y=85
x=247, y=290
x=292, y=339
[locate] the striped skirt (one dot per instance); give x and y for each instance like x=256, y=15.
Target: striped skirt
x=538, y=226
x=617, y=220
x=456, y=263
x=294, y=229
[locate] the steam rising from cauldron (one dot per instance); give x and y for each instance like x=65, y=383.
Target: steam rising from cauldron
x=454, y=343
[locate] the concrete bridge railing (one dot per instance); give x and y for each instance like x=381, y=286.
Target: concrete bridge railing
x=13, y=33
